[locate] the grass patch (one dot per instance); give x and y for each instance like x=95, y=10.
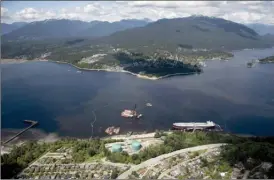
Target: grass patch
x=95, y=158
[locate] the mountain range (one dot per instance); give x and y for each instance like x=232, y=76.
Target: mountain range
x=73, y=39
x=193, y=31
x=64, y=28
x=196, y=31
x=7, y=28
x=262, y=29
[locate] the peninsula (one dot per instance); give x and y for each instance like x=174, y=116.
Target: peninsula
x=269, y=59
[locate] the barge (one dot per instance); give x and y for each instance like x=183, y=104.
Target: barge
x=131, y=113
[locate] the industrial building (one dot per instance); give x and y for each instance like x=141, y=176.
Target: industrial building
x=136, y=146
x=132, y=146
x=116, y=148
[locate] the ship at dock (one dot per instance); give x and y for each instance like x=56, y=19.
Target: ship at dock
x=192, y=126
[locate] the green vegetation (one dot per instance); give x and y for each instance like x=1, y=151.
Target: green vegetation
x=239, y=149
x=215, y=167
x=20, y=157
x=152, y=61
x=135, y=174
x=196, y=32
x=241, y=152
x=194, y=154
x=159, y=134
x=114, y=174
x=173, y=142
x=154, y=49
x=155, y=67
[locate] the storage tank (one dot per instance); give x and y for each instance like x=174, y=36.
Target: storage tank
x=136, y=146
x=116, y=148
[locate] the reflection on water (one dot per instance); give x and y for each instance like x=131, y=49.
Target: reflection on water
x=238, y=98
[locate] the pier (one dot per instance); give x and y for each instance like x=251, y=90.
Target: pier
x=33, y=123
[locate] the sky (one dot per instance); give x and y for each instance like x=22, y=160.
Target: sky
x=238, y=11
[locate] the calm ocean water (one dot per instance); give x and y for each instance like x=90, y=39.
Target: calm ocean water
x=238, y=98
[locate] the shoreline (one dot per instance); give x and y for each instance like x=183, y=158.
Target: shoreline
x=19, y=61
x=16, y=61
x=124, y=71
x=41, y=135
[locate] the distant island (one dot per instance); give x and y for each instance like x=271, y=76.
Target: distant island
x=155, y=65
x=269, y=59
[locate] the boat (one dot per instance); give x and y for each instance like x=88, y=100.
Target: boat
x=148, y=104
x=131, y=113
x=116, y=130
x=112, y=130
x=208, y=125
x=128, y=113
x=251, y=64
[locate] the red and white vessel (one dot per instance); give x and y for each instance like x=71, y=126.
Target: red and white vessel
x=112, y=130
x=130, y=113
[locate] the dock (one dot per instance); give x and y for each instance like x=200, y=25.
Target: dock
x=33, y=123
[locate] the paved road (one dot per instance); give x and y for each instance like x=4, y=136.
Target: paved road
x=156, y=160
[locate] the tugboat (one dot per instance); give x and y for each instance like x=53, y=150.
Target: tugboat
x=131, y=113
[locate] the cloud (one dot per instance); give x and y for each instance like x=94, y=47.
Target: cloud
x=31, y=14
x=239, y=11
x=3, y=11
x=4, y=14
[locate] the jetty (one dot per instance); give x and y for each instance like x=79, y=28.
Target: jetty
x=33, y=123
